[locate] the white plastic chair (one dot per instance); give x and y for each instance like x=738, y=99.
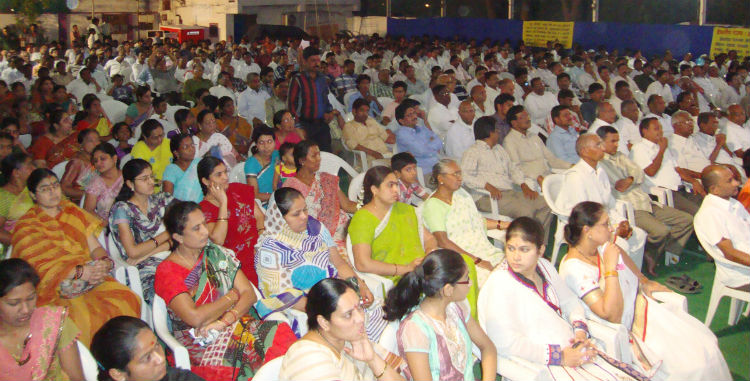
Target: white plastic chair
x=665, y=197
x=719, y=289
x=115, y=110
x=237, y=174
x=355, y=187
x=160, y=319
x=330, y=163
x=125, y=159
x=25, y=139
x=88, y=363
x=377, y=284
x=360, y=157
x=336, y=104
x=59, y=169
x=9, y=252
x=347, y=97
x=126, y=274
x=171, y=110
x=269, y=371
x=385, y=101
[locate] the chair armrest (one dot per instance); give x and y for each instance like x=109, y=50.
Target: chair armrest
x=377, y=284
x=181, y=357
x=626, y=209
x=664, y=195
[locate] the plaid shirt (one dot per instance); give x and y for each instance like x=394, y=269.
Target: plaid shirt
x=406, y=193
x=343, y=84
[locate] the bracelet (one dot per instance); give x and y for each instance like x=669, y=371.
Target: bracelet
x=477, y=260
x=234, y=314
x=155, y=241
x=383, y=372
x=608, y=274
x=229, y=298
x=79, y=272
x=222, y=219
x=236, y=293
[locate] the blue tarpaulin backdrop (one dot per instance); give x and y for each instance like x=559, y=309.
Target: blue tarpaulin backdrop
x=650, y=38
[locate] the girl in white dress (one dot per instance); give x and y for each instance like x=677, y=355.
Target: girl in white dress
x=664, y=339
x=529, y=313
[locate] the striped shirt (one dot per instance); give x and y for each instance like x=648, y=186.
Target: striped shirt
x=308, y=97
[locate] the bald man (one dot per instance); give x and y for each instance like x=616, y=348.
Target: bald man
x=723, y=223
x=460, y=135
x=588, y=181
x=738, y=137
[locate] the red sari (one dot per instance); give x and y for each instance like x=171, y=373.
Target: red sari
x=242, y=232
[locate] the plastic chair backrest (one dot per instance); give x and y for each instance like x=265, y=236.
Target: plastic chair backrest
x=125, y=159
x=269, y=371
x=355, y=186
x=88, y=363
x=115, y=110
x=25, y=139
x=237, y=174
x=551, y=188
x=722, y=263
x=160, y=319
x=59, y=169
x=331, y=163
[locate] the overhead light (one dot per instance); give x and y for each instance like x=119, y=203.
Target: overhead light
x=427, y=5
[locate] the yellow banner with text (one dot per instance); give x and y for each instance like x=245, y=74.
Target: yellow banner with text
x=726, y=39
x=538, y=33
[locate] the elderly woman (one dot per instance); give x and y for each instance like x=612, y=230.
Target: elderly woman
x=336, y=347
x=676, y=346
x=135, y=222
x=294, y=253
x=325, y=200
x=153, y=148
x=286, y=132
x=231, y=213
x=46, y=334
x=60, y=241
x=80, y=170
x=208, y=295
x=451, y=215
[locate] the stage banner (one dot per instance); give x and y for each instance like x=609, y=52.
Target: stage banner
x=726, y=39
x=537, y=33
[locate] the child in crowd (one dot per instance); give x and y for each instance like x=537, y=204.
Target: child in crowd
x=122, y=135
x=285, y=168
x=119, y=91
x=405, y=166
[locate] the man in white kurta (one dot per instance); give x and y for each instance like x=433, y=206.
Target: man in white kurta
x=627, y=127
x=461, y=133
x=588, y=181
x=656, y=107
x=539, y=102
x=440, y=116
x=251, y=103
x=738, y=137
x=661, y=87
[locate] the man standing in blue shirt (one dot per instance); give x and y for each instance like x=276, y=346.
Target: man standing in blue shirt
x=308, y=99
x=417, y=139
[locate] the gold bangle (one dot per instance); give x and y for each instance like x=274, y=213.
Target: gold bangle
x=611, y=273
x=383, y=372
x=229, y=298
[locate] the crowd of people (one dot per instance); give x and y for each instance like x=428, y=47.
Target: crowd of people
x=200, y=165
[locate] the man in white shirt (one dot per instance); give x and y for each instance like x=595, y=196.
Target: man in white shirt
x=661, y=87
x=539, y=102
x=627, y=126
x=605, y=116
x=588, y=181
x=245, y=67
x=461, y=134
x=252, y=102
x=731, y=94
x=477, y=97
x=85, y=84
x=490, y=86
x=656, y=107
x=738, y=137
x=724, y=222
x=225, y=88
x=622, y=75
x=682, y=145
x=440, y=116
x=713, y=146
x=653, y=156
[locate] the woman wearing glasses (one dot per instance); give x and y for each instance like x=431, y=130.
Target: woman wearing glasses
x=58, y=240
x=135, y=221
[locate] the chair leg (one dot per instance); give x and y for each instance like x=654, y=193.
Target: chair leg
x=735, y=308
x=713, y=303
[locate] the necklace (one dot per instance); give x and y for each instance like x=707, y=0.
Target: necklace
x=586, y=258
x=28, y=355
x=327, y=341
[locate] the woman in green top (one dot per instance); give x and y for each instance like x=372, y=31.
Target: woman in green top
x=14, y=196
x=195, y=83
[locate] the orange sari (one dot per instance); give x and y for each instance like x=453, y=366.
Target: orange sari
x=54, y=246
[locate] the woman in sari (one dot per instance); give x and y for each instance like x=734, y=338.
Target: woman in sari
x=15, y=200
x=325, y=200
x=294, y=253
x=259, y=167
x=60, y=127
x=36, y=343
x=205, y=291
x=436, y=331
x=210, y=140
x=80, y=171
x=135, y=222
x=231, y=213
x=286, y=132
x=234, y=127
x=58, y=240
x=528, y=312
x=153, y=148
x=663, y=339
x=93, y=117
x=452, y=216
x=103, y=188
x=141, y=110
x=41, y=95
x=336, y=347
x=180, y=179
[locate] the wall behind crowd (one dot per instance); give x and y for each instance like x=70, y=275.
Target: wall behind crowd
x=651, y=39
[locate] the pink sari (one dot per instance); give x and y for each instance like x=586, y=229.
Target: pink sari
x=322, y=198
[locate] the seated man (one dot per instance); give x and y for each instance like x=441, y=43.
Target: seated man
x=654, y=157
x=588, y=108
x=656, y=107
x=682, y=145
x=627, y=126
x=416, y=139
x=563, y=137
x=588, y=181
x=478, y=96
x=363, y=91
x=738, y=137
x=539, y=102
x=668, y=228
x=723, y=222
x=486, y=165
x=605, y=116
x=404, y=165
x=440, y=115
x=461, y=133
x=713, y=145
x=366, y=134
x=225, y=88
x=526, y=149
x=399, y=94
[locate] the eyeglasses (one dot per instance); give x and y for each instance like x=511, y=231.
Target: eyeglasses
x=467, y=281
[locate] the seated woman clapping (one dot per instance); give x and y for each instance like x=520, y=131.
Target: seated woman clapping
x=665, y=341
x=337, y=347
x=28, y=349
x=210, y=302
x=437, y=331
x=295, y=252
x=125, y=349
